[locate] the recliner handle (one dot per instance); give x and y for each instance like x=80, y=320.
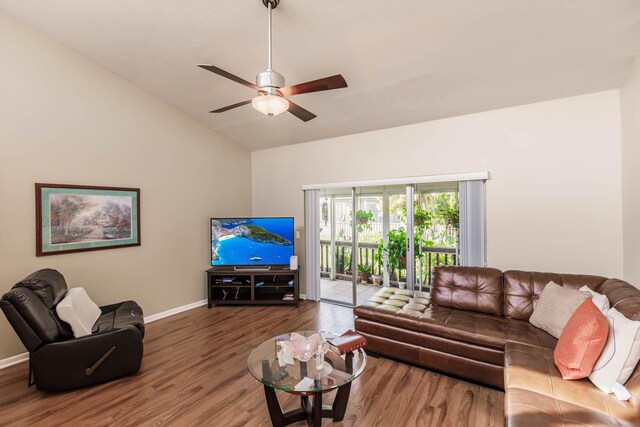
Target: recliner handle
x=93, y=367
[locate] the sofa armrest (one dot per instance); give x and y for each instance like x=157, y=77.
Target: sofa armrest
x=87, y=360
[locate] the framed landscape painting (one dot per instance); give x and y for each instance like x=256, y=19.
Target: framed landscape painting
x=74, y=218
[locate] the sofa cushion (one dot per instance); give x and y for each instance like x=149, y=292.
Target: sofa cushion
x=522, y=289
x=525, y=408
x=532, y=368
x=397, y=307
x=581, y=342
x=78, y=311
x=480, y=353
x=476, y=289
x=555, y=307
x=481, y=329
x=471, y=327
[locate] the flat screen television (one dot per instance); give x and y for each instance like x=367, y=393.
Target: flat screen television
x=257, y=241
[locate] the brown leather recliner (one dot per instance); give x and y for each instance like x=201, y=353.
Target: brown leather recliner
x=58, y=361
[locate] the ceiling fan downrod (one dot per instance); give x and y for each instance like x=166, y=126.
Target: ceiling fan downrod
x=270, y=4
x=270, y=80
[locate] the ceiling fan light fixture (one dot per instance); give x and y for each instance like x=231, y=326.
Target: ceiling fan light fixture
x=270, y=86
x=270, y=105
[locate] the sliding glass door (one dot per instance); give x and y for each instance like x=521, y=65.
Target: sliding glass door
x=366, y=237
x=336, y=241
x=372, y=231
x=363, y=251
x=435, y=225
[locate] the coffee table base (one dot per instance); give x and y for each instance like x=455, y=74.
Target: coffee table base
x=312, y=412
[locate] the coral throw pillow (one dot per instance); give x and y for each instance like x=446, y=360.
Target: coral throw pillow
x=581, y=342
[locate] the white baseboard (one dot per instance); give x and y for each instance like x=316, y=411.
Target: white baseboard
x=171, y=312
x=303, y=296
x=13, y=360
x=18, y=358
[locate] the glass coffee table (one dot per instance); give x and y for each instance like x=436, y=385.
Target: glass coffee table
x=303, y=379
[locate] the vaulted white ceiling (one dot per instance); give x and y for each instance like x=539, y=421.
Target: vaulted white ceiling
x=405, y=61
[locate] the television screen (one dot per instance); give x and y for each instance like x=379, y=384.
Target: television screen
x=251, y=241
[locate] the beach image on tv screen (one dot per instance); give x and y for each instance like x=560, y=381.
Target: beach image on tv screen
x=251, y=241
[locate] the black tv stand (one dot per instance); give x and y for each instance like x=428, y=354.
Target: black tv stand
x=230, y=286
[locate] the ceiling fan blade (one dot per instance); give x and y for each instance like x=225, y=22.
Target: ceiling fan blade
x=300, y=112
x=232, y=106
x=327, y=83
x=228, y=75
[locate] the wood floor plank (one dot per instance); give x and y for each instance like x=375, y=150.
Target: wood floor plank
x=194, y=373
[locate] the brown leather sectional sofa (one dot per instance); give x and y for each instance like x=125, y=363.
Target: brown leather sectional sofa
x=475, y=325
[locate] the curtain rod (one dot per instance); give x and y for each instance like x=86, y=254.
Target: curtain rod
x=468, y=176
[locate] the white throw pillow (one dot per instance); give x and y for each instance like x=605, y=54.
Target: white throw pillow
x=620, y=355
x=77, y=309
x=601, y=301
x=555, y=307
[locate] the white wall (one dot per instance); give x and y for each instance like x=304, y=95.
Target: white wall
x=64, y=119
x=554, y=200
x=630, y=119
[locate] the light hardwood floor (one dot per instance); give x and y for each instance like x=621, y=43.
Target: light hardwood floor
x=194, y=373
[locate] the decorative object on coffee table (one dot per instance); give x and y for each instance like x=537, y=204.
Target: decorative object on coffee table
x=309, y=379
x=301, y=348
x=347, y=342
x=74, y=218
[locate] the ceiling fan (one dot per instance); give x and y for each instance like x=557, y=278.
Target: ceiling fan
x=271, y=99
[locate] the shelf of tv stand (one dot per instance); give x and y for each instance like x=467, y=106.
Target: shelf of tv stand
x=276, y=284
x=228, y=285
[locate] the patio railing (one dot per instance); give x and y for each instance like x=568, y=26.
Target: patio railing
x=433, y=256
x=375, y=227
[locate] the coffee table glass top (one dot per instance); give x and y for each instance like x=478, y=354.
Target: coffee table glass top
x=265, y=367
